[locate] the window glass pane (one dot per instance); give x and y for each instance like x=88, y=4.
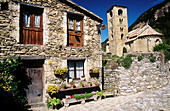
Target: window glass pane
x=77, y=25
x=26, y=19
x=79, y=69
x=70, y=24
x=71, y=74
x=79, y=73
x=71, y=69
x=37, y=21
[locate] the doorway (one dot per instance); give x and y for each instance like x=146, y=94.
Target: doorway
x=34, y=70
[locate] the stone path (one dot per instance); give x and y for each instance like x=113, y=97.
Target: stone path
x=147, y=101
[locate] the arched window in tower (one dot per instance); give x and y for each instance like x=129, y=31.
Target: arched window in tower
x=120, y=21
x=111, y=14
x=122, y=36
x=121, y=29
x=120, y=12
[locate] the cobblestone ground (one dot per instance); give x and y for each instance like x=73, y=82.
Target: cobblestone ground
x=148, y=101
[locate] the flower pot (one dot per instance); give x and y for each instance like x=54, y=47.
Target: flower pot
x=63, y=76
x=72, y=86
x=89, y=84
x=63, y=87
x=94, y=74
x=81, y=85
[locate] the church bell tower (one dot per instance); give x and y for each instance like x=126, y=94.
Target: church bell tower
x=117, y=28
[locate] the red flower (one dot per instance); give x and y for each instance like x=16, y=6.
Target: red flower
x=72, y=96
x=85, y=93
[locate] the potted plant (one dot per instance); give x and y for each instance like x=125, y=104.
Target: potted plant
x=53, y=103
x=94, y=72
x=61, y=72
x=72, y=84
x=100, y=94
x=63, y=86
x=96, y=83
x=52, y=89
x=81, y=84
x=89, y=84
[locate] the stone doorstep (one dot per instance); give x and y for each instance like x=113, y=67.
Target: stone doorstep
x=82, y=100
x=37, y=106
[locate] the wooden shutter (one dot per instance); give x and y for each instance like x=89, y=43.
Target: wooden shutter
x=31, y=25
x=75, y=32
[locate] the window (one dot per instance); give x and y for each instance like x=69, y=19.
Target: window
x=31, y=25
x=111, y=14
x=122, y=36
x=75, y=30
x=121, y=29
x=120, y=12
x=121, y=21
x=76, y=69
x=26, y=19
x=4, y=6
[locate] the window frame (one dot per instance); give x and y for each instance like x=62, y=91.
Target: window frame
x=36, y=37
x=75, y=68
x=75, y=38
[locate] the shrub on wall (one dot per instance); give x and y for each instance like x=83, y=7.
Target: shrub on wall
x=152, y=58
x=127, y=61
x=12, y=84
x=160, y=47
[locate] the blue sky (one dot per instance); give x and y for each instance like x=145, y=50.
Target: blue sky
x=135, y=9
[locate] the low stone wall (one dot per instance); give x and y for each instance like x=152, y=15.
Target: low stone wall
x=141, y=76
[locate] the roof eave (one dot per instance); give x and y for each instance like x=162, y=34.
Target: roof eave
x=115, y=6
x=87, y=12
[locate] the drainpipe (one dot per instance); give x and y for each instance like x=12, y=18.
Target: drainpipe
x=100, y=27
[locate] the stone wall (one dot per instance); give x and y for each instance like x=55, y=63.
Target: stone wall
x=140, y=77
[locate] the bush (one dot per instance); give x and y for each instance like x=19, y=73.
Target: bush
x=127, y=61
x=167, y=55
x=140, y=57
x=160, y=47
x=13, y=83
x=152, y=58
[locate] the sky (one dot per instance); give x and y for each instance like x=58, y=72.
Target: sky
x=134, y=9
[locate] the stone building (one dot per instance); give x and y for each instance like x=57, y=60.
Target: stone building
x=117, y=28
x=142, y=39
x=58, y=31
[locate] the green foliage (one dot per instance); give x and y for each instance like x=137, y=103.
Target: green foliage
x=13, y=83
x=109, y=53
x=140, y=57
x=167, y=55
x=100, y=94
x=160, y=47
x=127, y=61
x=52, y=103
x=86, y=95
x=124, y=50
x=152, y=58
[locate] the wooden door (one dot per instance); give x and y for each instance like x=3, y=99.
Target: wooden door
x=75, y=31
x=35, y=89
x=31, y=25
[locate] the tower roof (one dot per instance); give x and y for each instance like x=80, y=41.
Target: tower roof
x=115, y=6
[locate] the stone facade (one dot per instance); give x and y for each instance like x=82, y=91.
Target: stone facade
x=54, y=37
x=142, y=76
